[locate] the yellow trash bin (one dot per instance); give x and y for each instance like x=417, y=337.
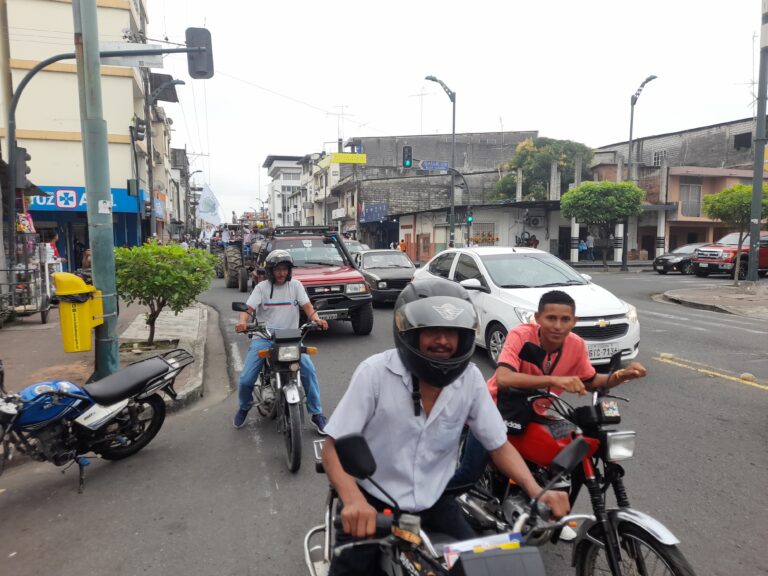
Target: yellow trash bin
x=80, y=310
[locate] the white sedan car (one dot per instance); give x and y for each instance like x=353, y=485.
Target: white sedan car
x=505, y=285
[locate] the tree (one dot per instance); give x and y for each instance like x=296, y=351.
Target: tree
x=733, y=206
x=602, y=204
x=535, y=157
x=159, y=276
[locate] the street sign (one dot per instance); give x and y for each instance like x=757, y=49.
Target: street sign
x=153, y=61
x=433, y=165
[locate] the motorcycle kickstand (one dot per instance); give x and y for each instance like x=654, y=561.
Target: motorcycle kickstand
x=82, y=463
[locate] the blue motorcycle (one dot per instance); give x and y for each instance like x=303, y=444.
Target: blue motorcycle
x=59, y=422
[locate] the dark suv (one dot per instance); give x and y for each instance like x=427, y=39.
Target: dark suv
x=324, y=266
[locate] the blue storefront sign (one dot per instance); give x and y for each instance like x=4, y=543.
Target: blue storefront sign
x=74, y=199
x=374, y=212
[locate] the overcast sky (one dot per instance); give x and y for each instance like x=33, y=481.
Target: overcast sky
x=286, y=70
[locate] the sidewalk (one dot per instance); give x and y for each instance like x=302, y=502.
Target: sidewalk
x=748, y=299
x=33, y=352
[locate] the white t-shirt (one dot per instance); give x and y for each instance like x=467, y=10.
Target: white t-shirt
x=278, y=306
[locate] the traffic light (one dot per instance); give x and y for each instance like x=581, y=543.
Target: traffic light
x=147, y=209
x=199, y=64
x=469, y=215
x=139, y=129
x=407, y=156
x=22, y=168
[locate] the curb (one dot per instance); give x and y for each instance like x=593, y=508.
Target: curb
x=195, y=387
x=697, y=305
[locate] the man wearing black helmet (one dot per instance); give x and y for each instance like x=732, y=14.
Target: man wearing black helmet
x=410, y=404
x=276, y=303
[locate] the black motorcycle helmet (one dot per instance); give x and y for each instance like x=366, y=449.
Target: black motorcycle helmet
x=434, y=303
x=275, y=258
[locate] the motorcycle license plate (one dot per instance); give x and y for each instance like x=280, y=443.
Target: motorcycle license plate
x=597, y=351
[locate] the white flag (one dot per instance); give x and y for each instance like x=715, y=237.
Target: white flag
x=208, y=208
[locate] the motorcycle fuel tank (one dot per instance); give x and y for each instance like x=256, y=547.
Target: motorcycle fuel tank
x=47, y=408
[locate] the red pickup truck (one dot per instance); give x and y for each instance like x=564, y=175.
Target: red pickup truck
x=720, y=257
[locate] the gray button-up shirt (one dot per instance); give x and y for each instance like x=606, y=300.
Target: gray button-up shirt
x=415, y=455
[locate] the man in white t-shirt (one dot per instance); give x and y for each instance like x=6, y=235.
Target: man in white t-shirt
x=276, y=303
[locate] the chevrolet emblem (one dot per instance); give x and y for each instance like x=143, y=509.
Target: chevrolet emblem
x=603, y=323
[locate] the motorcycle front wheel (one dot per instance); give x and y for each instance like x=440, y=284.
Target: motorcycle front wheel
x=136, y=429
x=292, y=431
x=641, y=554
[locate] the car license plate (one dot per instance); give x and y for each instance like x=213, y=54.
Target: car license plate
x=597, y=351
x=329, y=315
x=703, y=264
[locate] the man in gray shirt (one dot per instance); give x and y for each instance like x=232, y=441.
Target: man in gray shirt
x=411, y=404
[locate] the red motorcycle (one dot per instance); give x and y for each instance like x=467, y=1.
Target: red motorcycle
x=612, y=540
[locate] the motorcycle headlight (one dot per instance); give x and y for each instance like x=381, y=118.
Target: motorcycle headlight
x=355, y=288
x=631, y=314
x=382, y=285
x=288, y=353
x=526, y=316
x=619, y=445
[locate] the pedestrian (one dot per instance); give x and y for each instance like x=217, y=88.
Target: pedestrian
x=276, y=304
x=533, y=242
x=403, y=246
x=582, y=248
x=590, y=247
x=410, y=404
x=225, y=236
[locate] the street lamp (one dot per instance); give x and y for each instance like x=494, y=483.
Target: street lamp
x=187, y=204
x=452, y=97
x=149, y=101
x=625, y=235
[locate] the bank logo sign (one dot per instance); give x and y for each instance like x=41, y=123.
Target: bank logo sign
x=75, y=199
x=66, y=199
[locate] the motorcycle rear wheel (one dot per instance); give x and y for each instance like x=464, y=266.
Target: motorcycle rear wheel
x=641, y=554
x=292, y=431
x=147, y=429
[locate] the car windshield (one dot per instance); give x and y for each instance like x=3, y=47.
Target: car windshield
x=530, y=271
x=386, y=260
x=732, y=239
x=310, y=251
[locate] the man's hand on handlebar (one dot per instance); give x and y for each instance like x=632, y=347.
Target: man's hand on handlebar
x=322, y=324
x=359, y=518
x=569, y=384
x=240, y=327
x=557, y=502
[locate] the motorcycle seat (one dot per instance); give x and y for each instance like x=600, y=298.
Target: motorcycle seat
x=127, y=382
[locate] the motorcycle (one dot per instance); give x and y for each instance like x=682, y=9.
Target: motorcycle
x=59, y=422
x=407, y=550
x=617, y=541
x=278, y=390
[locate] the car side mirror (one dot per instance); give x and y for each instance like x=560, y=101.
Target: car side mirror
x=586, y=277
x=474, y=284
x=417, y=264
x=355, y=456
x=239, y=307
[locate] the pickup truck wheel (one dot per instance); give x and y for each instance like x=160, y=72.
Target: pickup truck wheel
x=701, y=273
x=362, y=320
x=742, y=272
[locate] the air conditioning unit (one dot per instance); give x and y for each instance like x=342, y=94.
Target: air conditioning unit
x=534, y=221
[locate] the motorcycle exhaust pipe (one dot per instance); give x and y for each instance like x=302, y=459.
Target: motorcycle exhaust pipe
x=484, y=519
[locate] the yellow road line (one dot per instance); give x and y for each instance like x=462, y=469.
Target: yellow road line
x=687, y=364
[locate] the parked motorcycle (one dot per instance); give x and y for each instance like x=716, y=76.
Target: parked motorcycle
x=115, y=417
x=278, y=390
x=407, y=550
x=617, y=541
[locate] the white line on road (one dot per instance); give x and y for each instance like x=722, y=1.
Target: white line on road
x=237, y=360
x=705, y=322
x=678, y=325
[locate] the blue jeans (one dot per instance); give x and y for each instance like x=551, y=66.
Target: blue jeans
x=252, y=369
x=472, y=463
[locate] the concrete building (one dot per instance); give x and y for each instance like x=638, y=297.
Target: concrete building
x=48, y=122
x=284, y=195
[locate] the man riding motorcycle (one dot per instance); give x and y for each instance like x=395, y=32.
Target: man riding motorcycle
x=276, y=303
x=411, y=404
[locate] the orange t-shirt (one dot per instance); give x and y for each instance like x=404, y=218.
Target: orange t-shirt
x=571, y=360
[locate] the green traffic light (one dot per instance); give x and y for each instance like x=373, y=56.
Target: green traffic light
x=407, y=163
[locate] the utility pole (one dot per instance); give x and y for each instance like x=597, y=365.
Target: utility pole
x=150, y=152
x=95, y=153
x=6, y=88
x=759, y=167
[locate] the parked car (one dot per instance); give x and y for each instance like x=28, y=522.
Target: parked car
x=505, y=285
x=324, y=267
x=720, y=257
x=386, y=272
x=354, y=246
x=678, y=260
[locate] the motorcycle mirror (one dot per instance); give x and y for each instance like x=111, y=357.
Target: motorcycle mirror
x=355, y=456
x=534, y=354
x=615, y=363
x=569, y=457
x=239, y=307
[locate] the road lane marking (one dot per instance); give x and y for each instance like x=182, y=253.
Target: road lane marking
x=705, y=322
x=702, y=369
x=237, y=360
x=678, y=325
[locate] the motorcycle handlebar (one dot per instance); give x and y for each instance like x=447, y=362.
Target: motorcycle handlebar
x=383, y=524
